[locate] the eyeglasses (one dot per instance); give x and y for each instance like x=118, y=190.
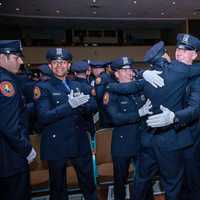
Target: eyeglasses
x=14, y=56
x=59, y=62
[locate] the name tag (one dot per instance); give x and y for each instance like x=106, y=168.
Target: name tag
x=56, y=93
x=124, y=102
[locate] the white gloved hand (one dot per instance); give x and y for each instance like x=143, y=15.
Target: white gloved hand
x=152, y=76
x=145, y=109
x=163, y=119
x=77, y=100
x=31, y=155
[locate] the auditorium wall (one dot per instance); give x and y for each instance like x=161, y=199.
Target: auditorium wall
x=36, y=55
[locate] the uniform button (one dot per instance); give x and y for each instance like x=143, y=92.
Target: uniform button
x=57, y=101
x=121, y=136
x=54, y=135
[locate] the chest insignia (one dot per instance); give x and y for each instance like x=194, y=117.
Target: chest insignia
x=36, y=92
x=106, y=98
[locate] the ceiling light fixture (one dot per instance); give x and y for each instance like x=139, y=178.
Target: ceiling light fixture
x=17, y=9
x=162, y=13
x=1, y=4
x=129, y=13
x=58, y=11
x=94, y=12
x=173, y=2
x=134, y=2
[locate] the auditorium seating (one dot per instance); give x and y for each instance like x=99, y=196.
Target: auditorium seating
x=39, y=169
x=104, y=158
x=40, y=176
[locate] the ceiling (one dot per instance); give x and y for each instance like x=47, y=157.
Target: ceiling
x=106, y=12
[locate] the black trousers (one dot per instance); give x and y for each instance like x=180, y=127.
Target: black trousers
x=58, y=178
x=191, y=186
x=121, y=171
x=169, y=165
x=16, y=187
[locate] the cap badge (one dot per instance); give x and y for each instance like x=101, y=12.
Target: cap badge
x=125, y=60
x=185, y=38
x=59, y=51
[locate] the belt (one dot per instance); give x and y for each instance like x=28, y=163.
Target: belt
x=160, y=130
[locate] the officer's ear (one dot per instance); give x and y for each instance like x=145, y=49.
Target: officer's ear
x=166, y=56
x=88, y=72
x=116, y=73
x=50, y=66
x=69, y=64
x=194, y=56
x=4, y=57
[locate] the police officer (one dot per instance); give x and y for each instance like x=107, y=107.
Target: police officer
x=186, y=52
x=102, y=78
x=15, y=150
x=163, y=144
x=60, y=102
x=125, y=112
x=46, y=72
x=81, y=70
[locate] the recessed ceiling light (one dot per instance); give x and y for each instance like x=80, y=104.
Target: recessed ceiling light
x=162, y=13
x=58, y=11
x=94, y=12
x=17, y=9
x=1, y=4
x=173, y=2
x=134, y=2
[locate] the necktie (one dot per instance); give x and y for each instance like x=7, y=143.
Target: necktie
x=66, y=86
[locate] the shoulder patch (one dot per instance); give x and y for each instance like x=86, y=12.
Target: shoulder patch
x=98, y=80
x=36, y=92
x=106, y=98
x=93, y=92
x=7, y=89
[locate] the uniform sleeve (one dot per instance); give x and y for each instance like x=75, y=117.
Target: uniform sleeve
x=126, y=88
x=192, y=111
x=46, y=112
x=119, y=118
x=11, y=123
x=91, y=106
x=100, y=89
x=194, y=70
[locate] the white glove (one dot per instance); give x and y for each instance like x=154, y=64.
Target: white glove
x=77, y=100
x=145, y=109
x=163, y=119
x=152, y=76
x=31, y=155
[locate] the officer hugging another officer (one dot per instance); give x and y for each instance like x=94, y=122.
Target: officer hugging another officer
x=154, y=115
